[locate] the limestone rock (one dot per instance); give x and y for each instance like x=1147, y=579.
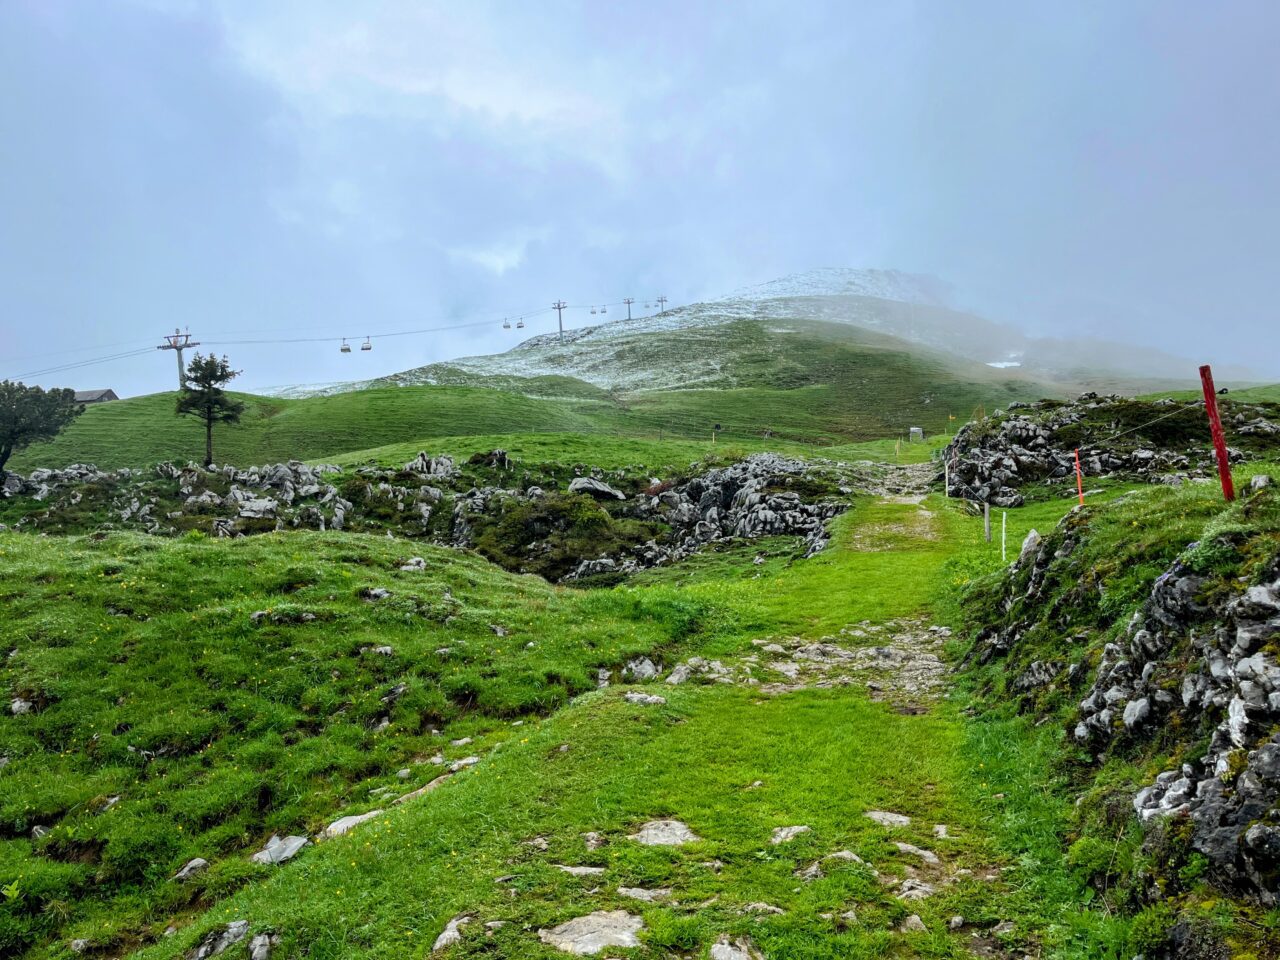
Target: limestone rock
x=665, y=833
x=783, y=834
x=640, y=669
x=644, y=699
x=219, y=941
x=737, y=949
x=594, y=932
x=648, y=896
x=887, y=819
x=928, y=856
x=451, y=934
x=279, y=851
x=346, y=824
x=595, y=488
x=580, y=871
x=191, y=868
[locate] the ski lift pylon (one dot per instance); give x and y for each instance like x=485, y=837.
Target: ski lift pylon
x=346, y=347
x=367, y=345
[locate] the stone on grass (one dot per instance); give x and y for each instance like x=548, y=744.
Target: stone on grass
x=913, y=889
x=783, y=834
x=641, y=668
x=928, y=856
x=644, y=699
x=279, y=851
x=79, y=946
x=259, y=508
x=191, y=868
x=463, y=764
x=913, y=924
x=595, y=488
x=218, y=941
x=18, y=706
x=422, y=791
x=414, y=563
x=739, y=949
x=580, y=871
x=648, y=896
x=665, y=833
x=260, y=946
x=940, y=831
x=345, y=824
x=846, y=855
x=887, y=819
x=761, y=907
x=680, y=674
x=452, y=933
x=594, y=932
x=955, y=923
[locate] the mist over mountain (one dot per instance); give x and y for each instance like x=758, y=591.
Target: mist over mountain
x=897, y=307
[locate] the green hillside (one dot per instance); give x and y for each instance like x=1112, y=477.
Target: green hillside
x=215, y=729
x=829, y=386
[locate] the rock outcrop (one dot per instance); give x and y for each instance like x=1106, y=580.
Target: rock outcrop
x=1163, y=441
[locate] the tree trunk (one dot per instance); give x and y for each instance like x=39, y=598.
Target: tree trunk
x=208, y=443
x=4, y=458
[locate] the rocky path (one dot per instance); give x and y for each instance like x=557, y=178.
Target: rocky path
x=888, y=876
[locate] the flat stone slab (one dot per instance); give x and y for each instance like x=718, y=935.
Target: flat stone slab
x=580, y=871
x=928, y=856
x=346, y=824
x=887, y=819
x=423, y=790
x=594, y=932
x=665, y=833
x=783, y=834
x=648, y=896
x=278, y=851
x=644, y=699
x=739, y=949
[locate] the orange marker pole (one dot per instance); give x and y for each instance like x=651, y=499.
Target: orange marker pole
x=1079, y=478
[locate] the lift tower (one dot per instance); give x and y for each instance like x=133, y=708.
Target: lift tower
x=177, y=342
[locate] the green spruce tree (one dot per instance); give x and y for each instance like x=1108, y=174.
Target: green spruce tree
x=202, y=396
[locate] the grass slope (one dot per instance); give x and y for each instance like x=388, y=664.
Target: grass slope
x=820, y=384
x=273, y=727
x=153, y=682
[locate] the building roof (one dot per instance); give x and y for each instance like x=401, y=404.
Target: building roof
x=93, y=396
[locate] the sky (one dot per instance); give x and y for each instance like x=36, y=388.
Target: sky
x=297, y=170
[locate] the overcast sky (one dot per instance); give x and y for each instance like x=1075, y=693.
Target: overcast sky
x=268, y=169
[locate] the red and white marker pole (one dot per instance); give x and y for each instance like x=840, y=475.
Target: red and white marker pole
x=1215, y=427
